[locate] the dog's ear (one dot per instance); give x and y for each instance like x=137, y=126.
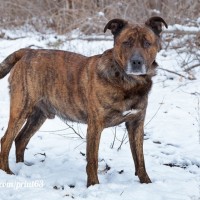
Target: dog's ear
x=155, y=23
x=115, y=25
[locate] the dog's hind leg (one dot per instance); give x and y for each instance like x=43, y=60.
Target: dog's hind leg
x=18, y=114
x=33, y=123
x=136, y=133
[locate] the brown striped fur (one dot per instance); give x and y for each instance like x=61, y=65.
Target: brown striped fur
x=103, y=91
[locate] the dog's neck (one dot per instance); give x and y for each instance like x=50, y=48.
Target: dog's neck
x=111, y=72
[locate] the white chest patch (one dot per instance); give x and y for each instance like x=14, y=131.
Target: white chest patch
x=130, y=112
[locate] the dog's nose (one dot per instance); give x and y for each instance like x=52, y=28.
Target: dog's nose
x=137, y=62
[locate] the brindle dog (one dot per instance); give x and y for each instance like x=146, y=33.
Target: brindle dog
x=103, y=91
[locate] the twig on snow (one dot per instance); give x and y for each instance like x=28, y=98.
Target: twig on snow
x=192, y=67
x=155, y=113
x=112, y=144
x=173, y=72
x=122, y=141
x=71, y=127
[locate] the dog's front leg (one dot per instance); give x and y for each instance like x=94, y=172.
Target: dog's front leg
x=94, y=130
x=136, y=133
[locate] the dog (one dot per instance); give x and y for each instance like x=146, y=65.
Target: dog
x=102, y=91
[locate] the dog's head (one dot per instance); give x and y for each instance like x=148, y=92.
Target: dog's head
x=136, y=45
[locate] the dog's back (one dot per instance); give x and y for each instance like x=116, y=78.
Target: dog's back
x=55, y=81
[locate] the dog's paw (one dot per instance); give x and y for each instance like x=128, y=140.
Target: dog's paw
x=145, y=179
x=92, y=182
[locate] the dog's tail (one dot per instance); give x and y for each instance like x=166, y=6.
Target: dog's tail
x=10, y=61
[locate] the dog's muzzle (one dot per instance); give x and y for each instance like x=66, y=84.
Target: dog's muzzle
x=136, y=66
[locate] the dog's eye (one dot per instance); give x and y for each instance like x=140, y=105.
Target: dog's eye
x=146, y=44
x=127, y=44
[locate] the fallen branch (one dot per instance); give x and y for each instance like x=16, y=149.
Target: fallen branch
x=36, y=46
x=192, y=67
x=59, y=130
x=91, y=38
x=173, y=72
x=184, y=32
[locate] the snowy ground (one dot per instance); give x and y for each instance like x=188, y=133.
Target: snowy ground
x=57, y=154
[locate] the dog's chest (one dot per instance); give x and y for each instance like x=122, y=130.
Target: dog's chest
x=123, y=106
x=127, y=99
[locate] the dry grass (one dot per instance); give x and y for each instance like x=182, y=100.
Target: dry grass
x=91, y=15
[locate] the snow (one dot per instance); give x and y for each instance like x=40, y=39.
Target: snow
x=55, y=158
x=183, y=28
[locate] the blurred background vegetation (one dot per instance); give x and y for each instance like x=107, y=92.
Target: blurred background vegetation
x=90, y=16
x=86, y=19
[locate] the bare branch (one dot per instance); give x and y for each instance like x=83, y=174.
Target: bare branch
x=71, y=127
x=192, y=67
x=122, y=141
x=155, y=113
x=115, y=132
x=170, y=71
